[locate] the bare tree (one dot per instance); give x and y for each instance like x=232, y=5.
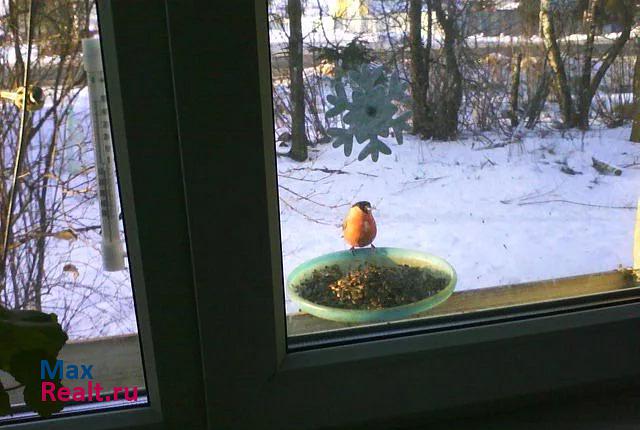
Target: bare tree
x=623, y=12
x=449, y=107
x=515, y=88
x=538, y=99
x=298, y=132
x=635, y=131
x=54, y=227
x=419, y=68
x=556, y=63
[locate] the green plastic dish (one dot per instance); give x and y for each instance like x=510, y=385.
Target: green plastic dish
x=381, y=256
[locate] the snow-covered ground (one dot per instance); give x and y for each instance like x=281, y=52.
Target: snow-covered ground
x=89, y=301
x=499, y=216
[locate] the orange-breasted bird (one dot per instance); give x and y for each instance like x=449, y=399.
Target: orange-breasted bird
x=359, y=227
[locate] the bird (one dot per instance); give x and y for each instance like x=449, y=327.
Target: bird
x=359, y=226
x=284, y=138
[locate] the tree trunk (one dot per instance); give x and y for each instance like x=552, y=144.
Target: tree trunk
x=610, y=56
x=298, y=136
x=419, y=86
x=635, y=131
x=536, y=104
x=447, y=121
x=585, y=96
x=319, y=130
x=515, y=88
x=605, y=63
x=429, y=44
x=561, y=84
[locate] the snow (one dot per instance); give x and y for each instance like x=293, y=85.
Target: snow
x=499, y=216
x=507, y=5
x=319, y=29
x=506, y=39
x=92, y=302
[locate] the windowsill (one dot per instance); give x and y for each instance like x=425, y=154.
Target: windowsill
x=464, y=302
x=602, y=407
x=117, y=358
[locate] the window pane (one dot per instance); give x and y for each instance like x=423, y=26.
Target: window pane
x=490, y=165
x=64, y=249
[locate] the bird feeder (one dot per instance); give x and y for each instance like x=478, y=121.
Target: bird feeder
x=111, y=246
x=311, y=285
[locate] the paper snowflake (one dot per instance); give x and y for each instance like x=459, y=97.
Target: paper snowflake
x=369, y=113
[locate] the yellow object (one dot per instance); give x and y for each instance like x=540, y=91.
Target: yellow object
x=636, y=243
x=341, y=8
x=35, y=97
x=347, y=9
x=364, y=10
x=67, y=234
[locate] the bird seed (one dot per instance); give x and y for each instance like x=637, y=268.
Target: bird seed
x=370, y=286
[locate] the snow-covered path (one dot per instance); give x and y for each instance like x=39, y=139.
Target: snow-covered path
x=504, y=215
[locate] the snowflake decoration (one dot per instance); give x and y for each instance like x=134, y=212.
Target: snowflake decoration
x=369, y=113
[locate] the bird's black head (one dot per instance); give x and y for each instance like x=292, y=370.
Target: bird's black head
x=364, y=206
x=36, y=95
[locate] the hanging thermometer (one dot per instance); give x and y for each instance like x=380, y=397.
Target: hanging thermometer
x=112, y=247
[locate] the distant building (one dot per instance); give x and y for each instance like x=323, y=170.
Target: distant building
x=501, y=18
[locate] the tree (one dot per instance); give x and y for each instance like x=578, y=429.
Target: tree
x=54, y=218
x=515, y=88
x=420, y=58
x=298, y=131
x=622, y=11
x=635, y=131
x=594, y=13
x=556, y=63
x=446, y=117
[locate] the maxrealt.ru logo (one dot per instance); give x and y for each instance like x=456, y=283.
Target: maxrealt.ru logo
x=92, y=392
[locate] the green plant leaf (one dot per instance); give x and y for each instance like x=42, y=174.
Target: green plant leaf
x=5, y=405
x=25, y=368
x=26, y=338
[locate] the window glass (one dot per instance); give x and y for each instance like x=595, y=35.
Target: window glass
x=437, y=158
x=68, y=329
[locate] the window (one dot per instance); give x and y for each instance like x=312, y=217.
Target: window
x=360, y=375
x=67, y=251
x=190, y=98
x=461, y=164
x=63, y=242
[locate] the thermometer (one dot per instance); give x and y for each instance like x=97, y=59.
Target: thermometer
x=112, y=246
